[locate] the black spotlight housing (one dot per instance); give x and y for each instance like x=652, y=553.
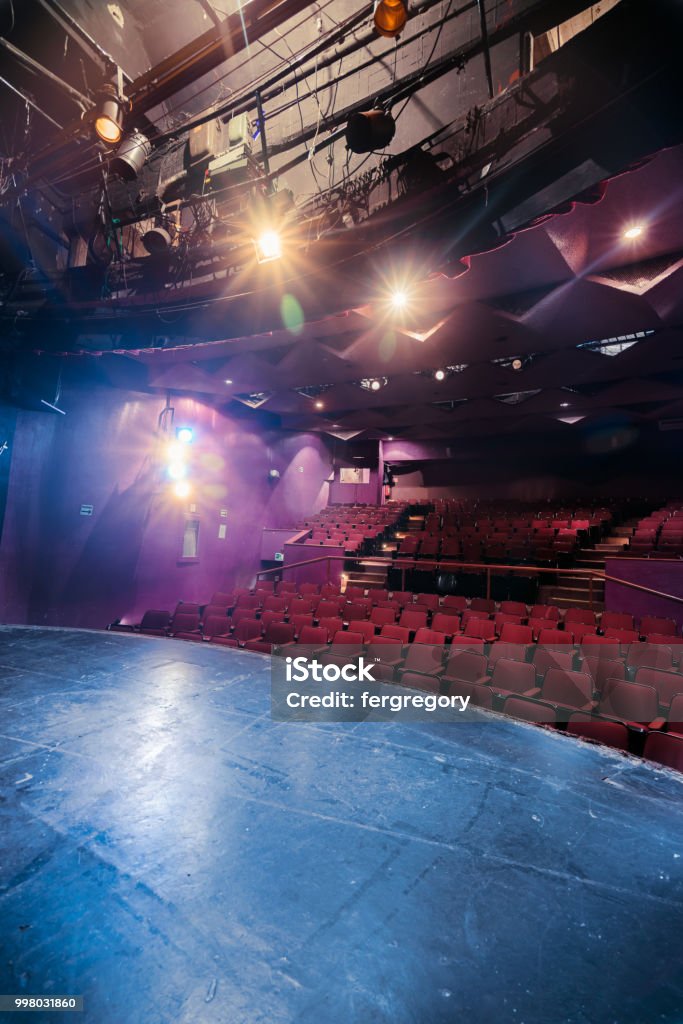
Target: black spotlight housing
x=131, y=156
x=369, y=130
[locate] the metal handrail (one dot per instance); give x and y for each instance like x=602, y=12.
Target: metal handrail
x=591, y=574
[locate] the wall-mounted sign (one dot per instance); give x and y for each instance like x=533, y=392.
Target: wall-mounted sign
x=86, y=510
x=354, y=475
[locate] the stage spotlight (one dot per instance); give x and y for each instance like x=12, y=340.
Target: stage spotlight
x=564, y=405
x=184, y=434
x=177, y=470
x=390, y=17
x=440, y=375
x=109, y=115
x=370, y=130
x=131, y=156
x=390, y=439
x=273, y=474
x=182, y=489
x=227, y=380
x=157, y=240
x=516, y=364
x=319, y=405
x=375, y=385
x=268, y=246
x=399, y=299
x=633, y=232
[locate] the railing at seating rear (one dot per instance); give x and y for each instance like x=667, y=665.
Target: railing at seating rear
x=592, y=575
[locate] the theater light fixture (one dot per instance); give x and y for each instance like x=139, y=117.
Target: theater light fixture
x=369, y=130
x=109, y=115
x=177, y=470
x=439, y=375
x=319, y=405
x=390, y=17
x=227, y=380
x=633, y=232
x=516, y=364
x=268, y=246
x=375, y=385
x=182, y=489
x=564, y=405
x=184, y=435
x=131, y=156
x=399, y=299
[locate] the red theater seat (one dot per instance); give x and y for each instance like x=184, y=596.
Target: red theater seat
x=412, y=620
x=515, y=634
x=616, y=620
x=455, y=603
x=398, y=633
x=423, y=658
x=530, y=710
x=247, y=629
x=223, y=598
x=666, y=749
x=155, y=622
x=667, y=684
x=365, y=628
x=514, y=677
x=216, y=629
x=653, y=624
x=545, y=659
x=597, y=729
x=630, y=702
x=313, y=636
x=568, y=689
x=185, y=626
x=446, y=624
x=468, y=666
x=419, y=681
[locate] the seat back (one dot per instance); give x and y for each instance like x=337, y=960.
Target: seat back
x=466, y=665
x=155, y=618
x=279, y=633
x=516, y=676
x=417, y=681
x=312, y=636
x=629, y=701
x=423, y=658
x=616, y=620
x=216, y=625
x=447, y=624
x=530, y=710
x=568, y=687
x=515, y=634
x=412, y=620
x=598, y=730
x=666, y=749
x=667, y=684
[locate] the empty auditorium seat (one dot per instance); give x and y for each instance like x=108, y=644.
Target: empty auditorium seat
x=568, y=688
x=515, y=634
x=545, y=659
x=653, y=624
x=355, y=610
x=514, y=608
x=280, y=634
x=306, y=589
x=667, y=684
x=155, y=623
x=423, y=658
x=602, y=669
x=483, y=629
x=483, y=604
x=649, y=656
x=327, y=608
x=399, y=633
x=412, y=620
x=535, y=711
x=446, y=624
x=455, y=603
x=299, y=621
x=427, y=635
x=285, y=587
x=544, y=611
x=420, y=681
x=514, y=677
x=352, y=592
x=598, y=729
x=223, y=598
x=216, y=630
x=630, y=702
x=480, y=694
x=666, y=749
x=365, y=628
x=466, y=665
x=313, y=636
x=555, y=638
x=185, y=626
x=331, y=624
x=616, y=620
x=247, y=629
x=582, y=615
x=382, y=616
x=275, y=604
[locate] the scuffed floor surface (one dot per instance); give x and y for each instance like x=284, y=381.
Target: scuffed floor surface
x=171, y=854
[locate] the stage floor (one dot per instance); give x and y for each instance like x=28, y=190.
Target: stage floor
x=173, y=855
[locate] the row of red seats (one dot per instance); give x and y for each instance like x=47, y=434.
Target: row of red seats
x=659, y=535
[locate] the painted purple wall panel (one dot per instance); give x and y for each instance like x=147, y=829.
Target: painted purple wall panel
x=61, y=568
x=273, y=541
x=660, y=574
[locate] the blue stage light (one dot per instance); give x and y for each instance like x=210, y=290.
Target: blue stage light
x=184, y=434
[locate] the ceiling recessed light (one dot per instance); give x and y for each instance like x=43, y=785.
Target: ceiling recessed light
x=635, y=231
x=227, y=381
x=516, y=364
x=399, y=299
x=390, y=439
x=319, y=405
x=440, y=375
x=564, y=405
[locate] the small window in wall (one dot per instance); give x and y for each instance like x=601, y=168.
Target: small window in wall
x=354, y=475
x=191, y=539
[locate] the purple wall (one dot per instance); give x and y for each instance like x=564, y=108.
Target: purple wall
x=319, y=572
x=60, y=568
x=659, y=574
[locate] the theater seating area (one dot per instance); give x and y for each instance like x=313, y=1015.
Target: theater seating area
x=603, y=677
x=356, y=528
x=658, y=535
x=499, y=532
